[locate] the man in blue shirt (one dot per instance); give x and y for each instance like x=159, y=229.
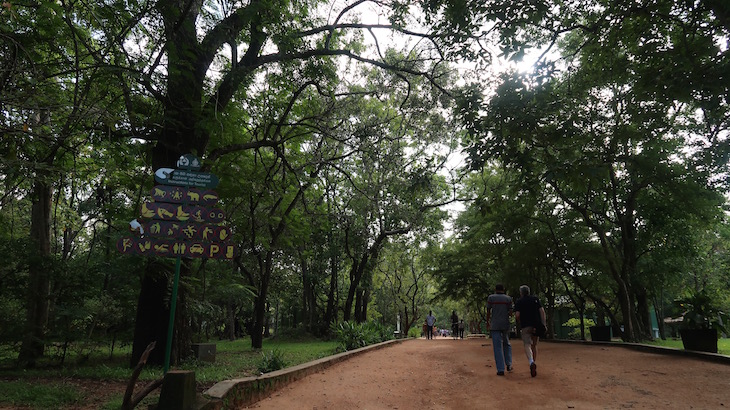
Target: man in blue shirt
x=499, y=309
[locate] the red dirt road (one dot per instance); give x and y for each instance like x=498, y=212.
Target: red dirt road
x=460, y=374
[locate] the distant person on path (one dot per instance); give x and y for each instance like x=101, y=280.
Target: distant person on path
x=430, y=321
x=461, y=329
x=454, y=324
x=499, y=309
x=530, y=314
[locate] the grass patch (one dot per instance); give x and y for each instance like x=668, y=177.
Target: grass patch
x=38, y=395
x=723, y=344
x=234, y=359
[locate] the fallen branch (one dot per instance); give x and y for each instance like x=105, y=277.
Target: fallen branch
x=130, y=402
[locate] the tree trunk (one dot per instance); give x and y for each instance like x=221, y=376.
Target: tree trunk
x=659, y=312
x=361, y=305
x=258, y=323
x=183, y=131
x=407, y=322
x=627, y=335
x=176, y=139
x=153, y=315
x=230, y=329
x=550, y=302
x=643, y=313
x=38, y=276
x=358, y=304
x=355, y=275
x=309, y=302
x=267, y=320
x=183, y=332
x=329, y=315
x=259, y=309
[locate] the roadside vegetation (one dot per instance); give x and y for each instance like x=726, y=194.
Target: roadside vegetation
x=723, y=344
x=49, y=386
x=55, y=387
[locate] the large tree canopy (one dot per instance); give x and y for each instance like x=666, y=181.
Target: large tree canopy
x=176, y=68
x=599, y=174
x=624, y=130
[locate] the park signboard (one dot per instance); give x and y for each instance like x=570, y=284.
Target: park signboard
x=182, y=177
x=180, y=220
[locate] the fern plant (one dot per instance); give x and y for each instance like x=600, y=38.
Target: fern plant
x=271, y=361
x=353, y=335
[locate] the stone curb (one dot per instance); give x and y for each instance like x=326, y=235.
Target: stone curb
x=237, y=393
x=711, y=357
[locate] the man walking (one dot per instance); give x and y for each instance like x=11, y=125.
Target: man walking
x=499, y=309
x=430, y=321
x=454, y=325
x=530, y=314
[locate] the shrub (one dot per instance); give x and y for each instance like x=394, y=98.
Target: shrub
x=415, y=332
x=701, y=311
x=271, y=361
x=574, y=325
x=353, y=335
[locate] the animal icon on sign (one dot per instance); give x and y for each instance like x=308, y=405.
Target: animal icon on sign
x=147, y=212
x=164, y=213
x=181, y=214
x=159, y=193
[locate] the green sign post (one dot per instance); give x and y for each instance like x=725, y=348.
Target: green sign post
x=182, y=223
x=173, y=306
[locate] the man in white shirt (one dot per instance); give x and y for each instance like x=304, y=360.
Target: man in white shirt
x=430, y=321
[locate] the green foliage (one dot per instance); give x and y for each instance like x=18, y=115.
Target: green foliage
x=415, y=332
x=38, y=396
x=350, y=335
x=234, y=359
x=237, y=359
x=271, y=361
x=608, y=145
x=574, y=325
x=723, y=344
x=701, y=311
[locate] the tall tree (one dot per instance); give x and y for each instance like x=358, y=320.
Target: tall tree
x=195, y=57
x=404, y=282
x=606, y=152
x=52, y=107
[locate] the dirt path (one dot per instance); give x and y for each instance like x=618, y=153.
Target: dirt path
x=459, y=374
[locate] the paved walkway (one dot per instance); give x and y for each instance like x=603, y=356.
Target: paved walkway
x=459, y=374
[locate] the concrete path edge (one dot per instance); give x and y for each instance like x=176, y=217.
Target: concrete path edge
x=713, y=357
x=236, y=393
